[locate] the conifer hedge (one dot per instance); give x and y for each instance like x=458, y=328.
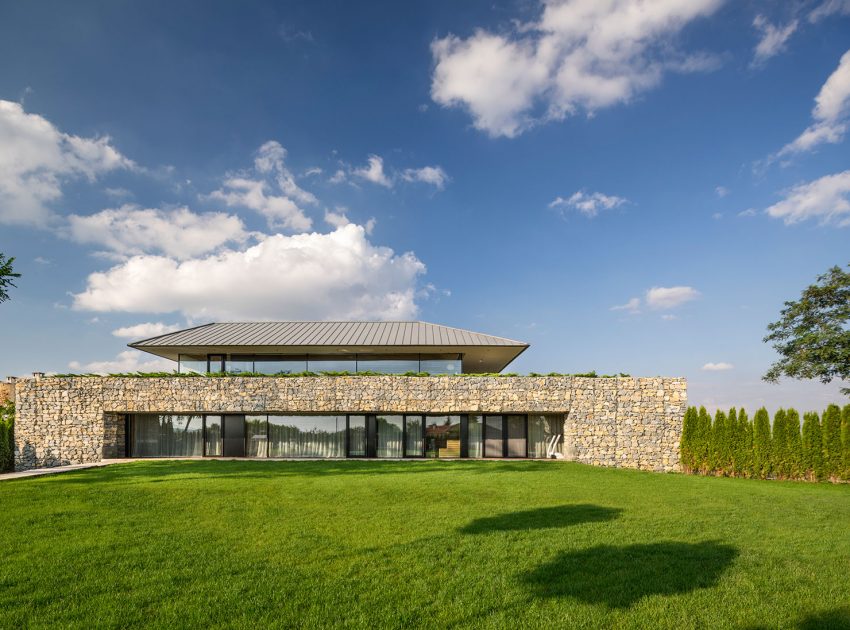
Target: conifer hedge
x=7, y=438
x=735, y=447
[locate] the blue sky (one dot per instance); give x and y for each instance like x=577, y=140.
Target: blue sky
x=629, y=187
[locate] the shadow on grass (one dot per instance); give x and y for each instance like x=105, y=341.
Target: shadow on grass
x=542, y=518
x=620, y=576
x=836, y=619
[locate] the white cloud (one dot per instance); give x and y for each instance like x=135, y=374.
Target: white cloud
x=832, y=105
x=632, y=306
x=828, y=8
x=257, y=191
x=145, y=330
x=773, y=38
x=588, y=204
x=668, y=317
x=663, y=298
x=580, y=54
x=337, y=178
x=179, y=233
x=749, y=212
x=374, y=172
x=721, y=191
x=434, y=175
x=717, y=367
x=826, y=199
x=126, y=361
x=41, y=260
x=303, y=276
x=36, y=159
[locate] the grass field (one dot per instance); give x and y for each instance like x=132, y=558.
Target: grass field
x=435, y=544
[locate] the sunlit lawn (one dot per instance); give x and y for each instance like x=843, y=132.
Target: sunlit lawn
x=437, y=544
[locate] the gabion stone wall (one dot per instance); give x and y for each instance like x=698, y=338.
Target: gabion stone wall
x=629, y=422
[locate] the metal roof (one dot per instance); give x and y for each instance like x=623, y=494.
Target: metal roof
x=324, y=334
x=480, y=352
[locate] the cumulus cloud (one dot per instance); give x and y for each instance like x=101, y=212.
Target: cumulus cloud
x=632, y=306
x=588, y=204
x=826, y=199
x=270, y=190
x=126, y=361
x=303, y=276
x=772, y=38
x=580, y=54
x=145, y=330
x=179, y=233
x=433, y=175
x=374, y=172
x=663, y=298
x=830, y=113
x=721, y=191
x=37, y=159
x=717, y=367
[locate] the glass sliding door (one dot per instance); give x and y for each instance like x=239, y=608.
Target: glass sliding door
x=356, y=436
x=307, y=436
x=493, y=437
x=256, y=433
x=167, y=435
x=516, y=436
x=442, y=436
x=475, y=436
x=388, y=434
x=212, y=439
x=413, y=442
x=234, y=436
x=545, y=434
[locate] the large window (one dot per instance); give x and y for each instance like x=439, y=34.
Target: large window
x=307, y=436
x=167, y=435
x=475, y=436
x=192, y=363
x=516, y=436
x=331, y=364
x=357, y=436
x=256, y=436
x=545, y=434
x=440, y=364
x=493, y=437
x=442, y=436
x=213, y=436
x=413, y=442
x=450, y=363
x=389, y=364
x=388, y=432
x=280, y=365
x=238, y=365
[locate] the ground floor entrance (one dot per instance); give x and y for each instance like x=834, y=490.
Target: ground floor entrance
x=392, y=436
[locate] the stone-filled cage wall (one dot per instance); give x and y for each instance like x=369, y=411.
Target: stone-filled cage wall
x=622, y=422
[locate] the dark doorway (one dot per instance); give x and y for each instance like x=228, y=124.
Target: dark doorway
x=234, y=436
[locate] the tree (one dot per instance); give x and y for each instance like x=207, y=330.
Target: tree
x=7, y=272
x=831, y=435
x=845, y=440
x=794, y=444
x=745, y=446
x=761, y=444
x=812, y=335
x=686, y=447
x=812, y=447
x=703, y=439
x=734, y=440
x=779, y=446
x=719, y=443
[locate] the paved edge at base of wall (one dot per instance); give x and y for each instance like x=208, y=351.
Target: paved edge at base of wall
x=623, y=422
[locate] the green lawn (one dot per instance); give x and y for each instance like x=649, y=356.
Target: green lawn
x=435, y=544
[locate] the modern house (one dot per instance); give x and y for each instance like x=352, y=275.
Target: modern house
x=390, y=390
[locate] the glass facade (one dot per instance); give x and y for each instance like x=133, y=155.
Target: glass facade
x=341, y=435
x=354, y=363
x=306, y=436
x=442, y=436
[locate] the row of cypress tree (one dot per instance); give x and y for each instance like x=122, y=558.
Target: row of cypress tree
x=733, y=446
x=7, y=442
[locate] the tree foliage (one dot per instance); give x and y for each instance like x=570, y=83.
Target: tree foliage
x=794, y=444
x=831, y=435
x=812, y=335
x=845, y=442
x=812, y=447
x=7, y=273
x=761, y=444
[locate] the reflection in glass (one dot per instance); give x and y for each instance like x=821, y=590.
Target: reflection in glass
x=413, y=436
x=442, y=436
x=493, y=444
x=516, y=436
x=399, y=364
x=156, y=435
x=331, y=364
x=192, y=363
x=213, y=437
x=475, y=436
x=357, y=436
x=256, y=440
x=388, y=429
x=441, y=364
x=544, y=433
x=307, y=436
x=216, y=363
x=239, y=365
x=279, y=366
